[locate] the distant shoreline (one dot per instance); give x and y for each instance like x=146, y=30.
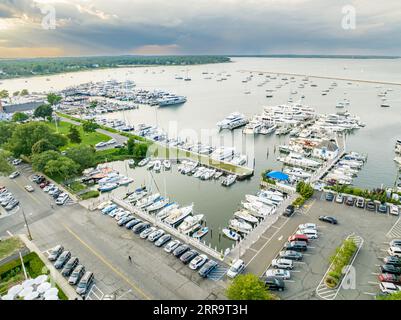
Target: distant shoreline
x=306, y=56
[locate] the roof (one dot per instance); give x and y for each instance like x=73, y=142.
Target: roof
x=277, y=175
x=328, y=145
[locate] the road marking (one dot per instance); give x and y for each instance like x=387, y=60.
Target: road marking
x=299, y=262
x=289, y=281
x=274, y=227
x=252, y=249
x=295, y=271
x=9, y=233
x=280, y=238
x=369, y=293
x=133, y=285
x=372, y=282
x=310, y=247
x=395, y=230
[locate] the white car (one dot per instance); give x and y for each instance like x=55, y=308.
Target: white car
x=236, y=268
x=100, y=144
x=29, y=188
x=172, y=245
x=197, y=262
x=62, y=199
x=282, y=264
x=310, y=233
x=145, y=233
x=14, y=175
x=112, y=141
x=155, y=235
x=48, y=187
x=394, y=251
x=389, y=287
x=394, y=210
x=16, y=162
x=339, y=198
x=104, y=205
x=307, y=226
x=278, y=273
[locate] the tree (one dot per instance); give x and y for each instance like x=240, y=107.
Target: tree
x=62, y=167
x=43, y=111
x=42, y=146
x=140, y=150
x=24, y=92
x=93, y=104
x=392, y=296
x=74, y=134
x=6, y=131
x=16, y=93
x=5, y=167
x=4, y=94
x=20, y=117
x=130, y=145
x=83, y=155
x=40, y=160
x=248, y=287
x=53, y=99
x=90, y=126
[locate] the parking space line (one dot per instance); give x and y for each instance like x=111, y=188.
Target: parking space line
x=299, y=262
x=372, y=282
x=295, y=271
x=369, y=293
x=292, y=281
x=252, y=249
x=375, y=273
x=9, y=233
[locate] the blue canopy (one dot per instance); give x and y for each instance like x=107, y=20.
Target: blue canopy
x=277, y=175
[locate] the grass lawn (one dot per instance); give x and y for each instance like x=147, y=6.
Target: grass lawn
x=87, y=138
x=9, y=246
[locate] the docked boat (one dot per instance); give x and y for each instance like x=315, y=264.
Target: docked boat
x=229, y=180
x=223, y=154
x=246, y=216
x=125, y=181
x=172, y=100
x=163, y=213
x=137, y=195
x=157, y=165
x=177, y=215
x=150, y=165
x=239, y=160
x=131, y=163
x=240, y=226
x=200, y=233
x=268, y=129
x=158, y=204
x=143, y=162
x=167, y=164
x=251, y=198
x=190, y=222
x=107, y=187
x=143, y=203
x=298, y=172
x=253, y=127
x=232, y=121
x=110, y=178
x=231, y=234
x=398, y=160
x=258, y=209
x=217, y=174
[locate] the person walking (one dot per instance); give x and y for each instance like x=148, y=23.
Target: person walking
x=129, y=258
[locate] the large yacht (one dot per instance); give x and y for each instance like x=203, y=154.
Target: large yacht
x=177, y=215
x=232, y=121
x=170, y=100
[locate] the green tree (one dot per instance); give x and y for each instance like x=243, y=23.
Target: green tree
x=44, y=111
x=248, y=287
x=140, y=150
x=62, y=167
x=83, y=155
x=20, y=117
x=16, y=93
x=24, y=92
x=130, y=145
x=6, y=131
x=74, y=135
x=5, y=167
x=90, y=126
x=53, y=99
x=4, y=94
x=93, y=104
x=40, y=160
x=42, y=146
x=392, y=296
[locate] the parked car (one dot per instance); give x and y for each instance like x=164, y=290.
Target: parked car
x=29, y=188
x=394, y=210
x=298, y=237
x=172, y=245
x=273, y=283
x=350, y=201
x=188, y=256
x=44, y=184
x=162, y=240
x=12, y=204
x=370, y=205
x=389, y=287
x=289, y=211
x=62, y=199
x=48, y=187
x=360, y=203
x=132, y=223
x=328, y=219
x=16, y=162
x=124, y=220
x=56, y=194
x=307, y=226
x=339, y=198
x=55, y=252
x=237, y=267
x=70, y=266
x=207, y=268
x=53, y=190
x=382, y=208
x=389, y=277
x=109, y=208
x=156, y=235
x=291, y=255
x=280, y=263
x=394, y=251
x=76, y=275
x=278, y=273
x=140, y=227
x=296, y=246
x=395, y=243
x=85, y=283
x=14, y=175
x=396, y=261
x=198, y=262
x=309, y=233
x=180, y=250
x=62, y=259
x=145, y=233
x=389, y=268
x=329, y=196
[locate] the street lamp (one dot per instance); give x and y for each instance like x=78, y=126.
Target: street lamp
x=26, y=224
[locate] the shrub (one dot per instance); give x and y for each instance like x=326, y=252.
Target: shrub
x=90, y=194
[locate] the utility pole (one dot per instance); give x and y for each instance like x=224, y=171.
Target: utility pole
x=27, y=226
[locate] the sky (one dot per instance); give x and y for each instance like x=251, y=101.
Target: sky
x=47, y=28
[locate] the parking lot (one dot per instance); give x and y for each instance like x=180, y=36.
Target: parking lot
x=372, y=227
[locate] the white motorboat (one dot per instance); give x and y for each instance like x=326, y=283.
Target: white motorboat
x=177, y=215
x=231, y=234
x=167, y=164
x=298, y=172
x=258, y=209
x=171, y=100
x=232, y=121
x=229, y=180
x=253, y=127
x=218, y=174
x=199, y=172
x=200, y=233
x=166, y=210
x=158, y=204
x=189, y=222
x=110, y=178
x=223, y=154
x=251, y=198
x=107, y=187
x=246, y=216
x=147, y=201
x=240, y=226
x=137, y=195
x=150, y=164
x=297, y=159
x=143, y=162
x=157, y=165
x=239, y=160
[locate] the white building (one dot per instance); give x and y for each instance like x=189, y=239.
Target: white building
x=325, y=150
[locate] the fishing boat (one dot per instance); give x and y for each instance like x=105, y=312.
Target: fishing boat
x=200, y=233
x=166, y=210
x=189, y=222
x=143, y=203
x=167, y=164
x=231, y=234
x=107, y=187
x=158, y=204
x=240, y=226
x=177, y=215
x=143, y=162
x=246, y=216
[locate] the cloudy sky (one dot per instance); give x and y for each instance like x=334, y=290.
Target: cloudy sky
x=33, y=28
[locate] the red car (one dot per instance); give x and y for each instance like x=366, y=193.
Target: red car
x=298, y=237
x=388, y=277
x=44, y=184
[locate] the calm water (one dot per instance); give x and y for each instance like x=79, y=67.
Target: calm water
x=210, y=101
